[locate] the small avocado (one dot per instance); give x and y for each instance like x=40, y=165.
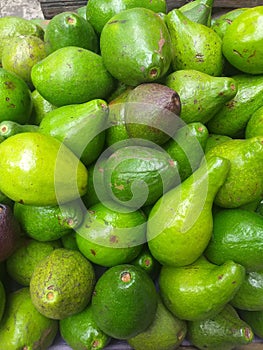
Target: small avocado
x=54, y=298
x=166, y=332
x=115, y=309
x=10, y=232
x=131, y=61
x=80, y=331
x=40, y=108
x=68, y=68
x=23, y=327
x=224, y=331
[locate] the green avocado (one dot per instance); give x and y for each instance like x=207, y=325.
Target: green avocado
x=254, y=319
x=201, y=289
x=70, y=29
x=99, y=12
x=201, y=94
x=81, y=127
x=199, y=11
x=242, y=42
x=237, y=236
x=62, y=284
x=23, y=327
x=195, y=46
x=254, y=126
x=9, y=128
x=232, y=118
x=135, y=46
x=224, y=331
x=244, y=183
x=187, y=146
x=38, y=169
x=15, y=98
x=115, y=308
x=67, y=69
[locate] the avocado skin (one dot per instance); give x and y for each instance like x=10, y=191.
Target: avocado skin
x=10, y=231
x=221, y=332
x=232, y=118
x=68, y=68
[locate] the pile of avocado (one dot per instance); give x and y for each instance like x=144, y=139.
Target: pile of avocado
x=131, y=182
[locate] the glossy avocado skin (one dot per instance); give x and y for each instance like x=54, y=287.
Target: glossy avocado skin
x=242, y=42
x=221, y=332
x=232, y=118
x=135, y=46
x=67, y=69
x=244, y=181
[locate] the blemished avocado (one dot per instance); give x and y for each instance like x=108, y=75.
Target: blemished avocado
x=115, y=309
x=130, y=62
x=54, y=298
x=22, y=326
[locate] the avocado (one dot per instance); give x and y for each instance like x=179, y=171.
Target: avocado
x=9, y=128
x=237, y=236
x=195, y=46
x=68, y=68
x=99, y=12
x=214, y=139
x=54, y=298
x=135, y=176
x=152, y=112
x=250, y=294
x=166, y=332
x=80, y=331
x=201, y=94
x=70, y=29
x=244, y=180
x=20, y=265
x=131, y=61
x=199, y=11
x=180, y=223
x=187, y=146
x=15, y=96
x=13, y=26
x=49, y=223
x=254, y=126
x=39, y=170
x=10, y=231
x=199, y=290
x=147, y=262
x=81, y=127
x=40, y=108
x=232, y=118
x=224, y=331
x=115, y=309
x=242, y=42
x=23, y=327
x=254, y=319
x=21, y=54
x=109, y=235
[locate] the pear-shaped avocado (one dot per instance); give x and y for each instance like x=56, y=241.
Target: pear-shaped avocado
x=38, y=169
x=195, y=46
x=9, y=233
x=201, y=94
x=242, y=42
x=199, y=11
x=180, y=223
x=99, y=12
x=22, y=326
x=232, y=118
x=134, y=61
x=81, y=127
x=66, y=70
x=201, y=289
x=152, y=112
x=221, y=332
x=244, y=181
